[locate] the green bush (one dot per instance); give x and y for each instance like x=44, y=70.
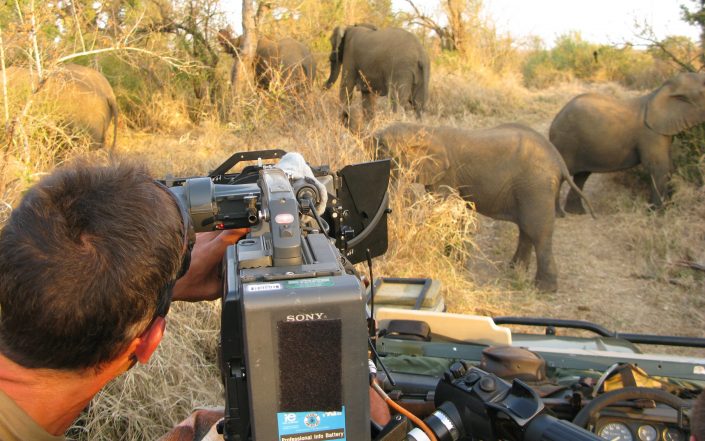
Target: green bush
x=629, y=67
x=572, y=53
x=689, y=155
x=572, y=57
x=153, y=95
x=539, y=71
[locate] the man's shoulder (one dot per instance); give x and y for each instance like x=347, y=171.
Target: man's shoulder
x=16, y=425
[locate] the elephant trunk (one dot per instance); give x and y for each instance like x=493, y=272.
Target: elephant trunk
x=334, y=69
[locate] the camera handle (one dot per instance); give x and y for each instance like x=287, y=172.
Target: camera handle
x=235, y=158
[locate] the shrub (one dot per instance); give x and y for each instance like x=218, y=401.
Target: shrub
x=572, y=57
x=572, y=53
x=689, y=155
x=630, y=67
x=539, y=72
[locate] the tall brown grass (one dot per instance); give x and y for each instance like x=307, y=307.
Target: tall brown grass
x=430, y=236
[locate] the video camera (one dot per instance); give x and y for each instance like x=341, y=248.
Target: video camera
x=294, y=331
x=294, y=336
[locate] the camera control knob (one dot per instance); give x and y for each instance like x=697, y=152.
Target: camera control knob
x=471, y=379
x=457, y=369
x=487, y=384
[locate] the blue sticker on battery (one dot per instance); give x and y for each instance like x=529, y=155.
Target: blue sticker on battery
x=311, y=426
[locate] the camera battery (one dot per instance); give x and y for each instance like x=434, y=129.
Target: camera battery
x=306, y=351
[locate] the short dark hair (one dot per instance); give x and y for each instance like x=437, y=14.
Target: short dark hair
x=697, y=418
x=84, y=261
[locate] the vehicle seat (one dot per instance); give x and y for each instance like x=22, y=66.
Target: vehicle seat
x=454, y=327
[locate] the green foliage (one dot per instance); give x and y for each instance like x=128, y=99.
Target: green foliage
x=677, y=52
x=632, y=68
x=572, y=57
x=689, y=155
x=312, y=21
x=571, y=52
x=539, y=71
x=696, y=16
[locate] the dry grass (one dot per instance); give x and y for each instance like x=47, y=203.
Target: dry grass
x=429, y=236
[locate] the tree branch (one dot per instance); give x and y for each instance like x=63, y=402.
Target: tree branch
x=647, y=34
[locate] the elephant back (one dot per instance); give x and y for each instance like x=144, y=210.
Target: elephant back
x=387, y=56
x=84, y=99
x=592, y=127
x=20, y=83
x=293, y=53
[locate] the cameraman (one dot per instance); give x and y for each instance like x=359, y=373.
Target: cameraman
x=88, y=266
x=89, y=263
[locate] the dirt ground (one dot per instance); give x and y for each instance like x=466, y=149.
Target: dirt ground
x=600, y=275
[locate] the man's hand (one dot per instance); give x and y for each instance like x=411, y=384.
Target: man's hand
x=203, y=281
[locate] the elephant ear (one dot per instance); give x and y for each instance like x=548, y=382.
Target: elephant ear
x=677, y=105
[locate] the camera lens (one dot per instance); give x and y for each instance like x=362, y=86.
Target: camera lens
x=445, y=423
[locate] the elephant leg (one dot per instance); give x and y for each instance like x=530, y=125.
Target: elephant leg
x=347, y=87
x=401, y=94
x=546, y=271
x=658, y=163
x=573, y=204
x=368, y=105
x=536, y=219
x=523, y=252
x=559, y=210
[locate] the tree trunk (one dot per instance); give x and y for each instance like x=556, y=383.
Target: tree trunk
x=242, y=70
x=701, y=12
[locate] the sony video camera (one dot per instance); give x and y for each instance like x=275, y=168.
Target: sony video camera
x=294, y=332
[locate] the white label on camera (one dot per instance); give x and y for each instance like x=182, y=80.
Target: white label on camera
x=284, y=218
x=699, y=370
x=263, y=287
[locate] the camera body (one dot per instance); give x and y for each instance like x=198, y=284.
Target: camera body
x=472, y=404
x=293, y=344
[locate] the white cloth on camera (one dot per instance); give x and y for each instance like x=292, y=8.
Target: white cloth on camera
x=295, y=166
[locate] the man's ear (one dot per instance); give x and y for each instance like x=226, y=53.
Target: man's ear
x=149, y=340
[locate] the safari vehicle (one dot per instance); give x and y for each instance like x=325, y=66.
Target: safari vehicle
x=601, y=380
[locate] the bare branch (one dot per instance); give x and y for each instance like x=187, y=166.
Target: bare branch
x=78, y=27
x=647, y=34
x=174, y=62
x=426, y=21
x=33, y=37
x=684, y=64
x=4, y=80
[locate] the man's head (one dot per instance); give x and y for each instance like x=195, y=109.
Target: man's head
x=85, y=261
x=697, y=419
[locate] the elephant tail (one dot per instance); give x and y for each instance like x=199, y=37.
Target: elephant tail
x=566, y=177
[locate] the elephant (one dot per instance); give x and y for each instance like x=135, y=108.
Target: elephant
x=81, y=97
x=510, y=172
x=287, y=59
x=388, y=61
x=598, y=133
